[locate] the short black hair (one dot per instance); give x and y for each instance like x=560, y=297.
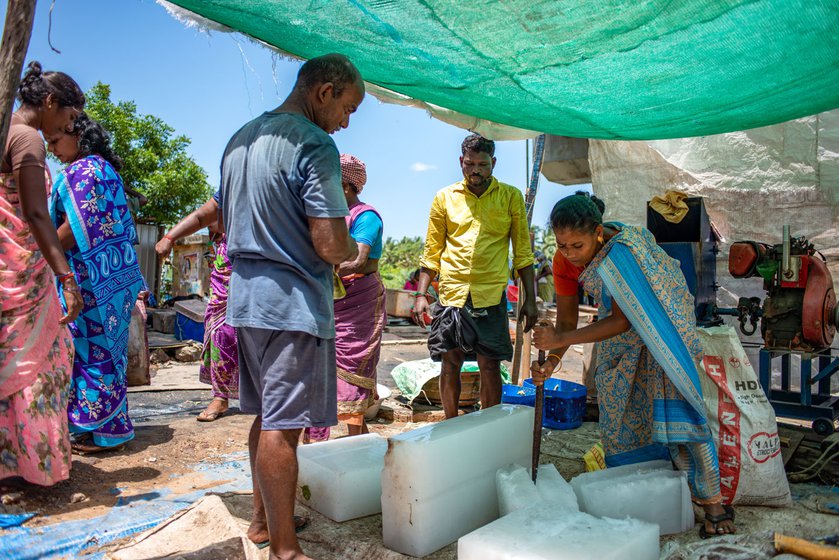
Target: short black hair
x=477, y=143
x=36, y=85
x=578, y=212
x=95, y=140
x=334, y=68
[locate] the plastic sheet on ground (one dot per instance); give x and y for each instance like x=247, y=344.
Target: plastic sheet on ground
x=8, y=520
x=131, y=515
x=204, y=530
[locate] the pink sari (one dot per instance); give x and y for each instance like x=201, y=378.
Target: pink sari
x=36, y=355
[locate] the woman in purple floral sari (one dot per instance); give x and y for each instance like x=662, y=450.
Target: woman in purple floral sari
x=97, y=232
x=220, y=361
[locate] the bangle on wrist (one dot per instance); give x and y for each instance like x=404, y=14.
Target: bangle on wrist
x=67, y=276
x=558, y=359
x=167, y=236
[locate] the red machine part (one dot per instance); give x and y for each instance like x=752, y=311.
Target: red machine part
x=744, y=257
x=741, y=259
x=803, y=273
x=818, y=316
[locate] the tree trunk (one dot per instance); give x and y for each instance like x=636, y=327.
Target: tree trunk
x=16, y=33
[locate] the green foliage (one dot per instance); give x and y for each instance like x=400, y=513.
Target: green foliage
x=399, y=259
x=156, y=160
x=544, y=240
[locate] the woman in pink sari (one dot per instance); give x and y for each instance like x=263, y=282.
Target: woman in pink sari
x=360, y=316
x=36, y=349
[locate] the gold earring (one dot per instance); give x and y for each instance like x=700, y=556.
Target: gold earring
x=600, y=238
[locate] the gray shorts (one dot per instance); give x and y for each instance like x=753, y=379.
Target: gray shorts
x=288, y=378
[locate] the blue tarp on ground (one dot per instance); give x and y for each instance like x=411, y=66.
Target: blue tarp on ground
x=132, y=514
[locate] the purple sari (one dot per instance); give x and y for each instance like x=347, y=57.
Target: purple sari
x=360, y=319
x=220, y=367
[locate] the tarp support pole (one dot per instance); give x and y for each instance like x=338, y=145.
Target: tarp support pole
x=16, y=33
x=521, y=359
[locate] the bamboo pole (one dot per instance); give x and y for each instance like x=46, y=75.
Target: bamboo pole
x=16, y=33
x=529, y=199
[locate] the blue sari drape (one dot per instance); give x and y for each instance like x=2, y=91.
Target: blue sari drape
x=89, y=195
x=647, y=379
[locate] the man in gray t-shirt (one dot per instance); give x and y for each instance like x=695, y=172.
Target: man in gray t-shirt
x=283, y=208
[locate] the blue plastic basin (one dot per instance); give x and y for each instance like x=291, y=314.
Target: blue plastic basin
x=514, y=394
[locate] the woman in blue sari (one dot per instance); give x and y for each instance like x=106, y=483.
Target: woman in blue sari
x=89, y=209
x=648, y=350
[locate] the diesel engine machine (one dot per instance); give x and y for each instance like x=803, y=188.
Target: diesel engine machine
x=797, y=318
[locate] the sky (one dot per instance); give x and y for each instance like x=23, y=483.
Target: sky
x=207, y=85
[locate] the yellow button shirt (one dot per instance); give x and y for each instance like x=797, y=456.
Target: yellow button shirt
x=468, y=242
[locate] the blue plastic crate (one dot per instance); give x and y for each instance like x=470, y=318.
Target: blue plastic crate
x=189, y=319
x=187, y=329
x=565, y=404
x=515, y=394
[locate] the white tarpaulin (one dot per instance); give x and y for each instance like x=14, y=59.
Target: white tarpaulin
x=753, y=182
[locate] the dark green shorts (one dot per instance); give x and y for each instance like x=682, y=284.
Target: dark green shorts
x=483, y=331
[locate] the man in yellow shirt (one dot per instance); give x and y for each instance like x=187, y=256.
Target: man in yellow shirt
x=470, y=228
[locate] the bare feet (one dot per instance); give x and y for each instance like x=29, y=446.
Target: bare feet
x=214, y=410
x=719, y=520
x=258, y=530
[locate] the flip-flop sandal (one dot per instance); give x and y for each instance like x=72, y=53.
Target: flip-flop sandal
x=300, y=523
x=89, y=449
x=209, y=417
x=716, y=519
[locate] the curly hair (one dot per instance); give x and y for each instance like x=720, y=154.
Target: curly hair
x=95, y=140
x=334, y=68
x=36, y=85
x=477, y=143
x=579, y=212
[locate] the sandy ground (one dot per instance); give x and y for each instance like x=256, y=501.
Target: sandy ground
x=169, y=444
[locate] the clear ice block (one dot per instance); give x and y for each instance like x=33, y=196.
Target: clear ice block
x=615, y=472
x=550, y=532
x=343, y=477
x=660, y=496
x=438, y=482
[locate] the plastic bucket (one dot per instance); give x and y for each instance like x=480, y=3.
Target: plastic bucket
x=515, y=394
x=565, y=404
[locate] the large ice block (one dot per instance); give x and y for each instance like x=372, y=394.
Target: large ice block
x=515, y=489
x=661, y=497
x=438, y=482
x=554, y=489
x=343, y=477
x=551, y=532
x=615, y=472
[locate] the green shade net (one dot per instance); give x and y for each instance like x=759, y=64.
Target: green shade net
x=586, y=68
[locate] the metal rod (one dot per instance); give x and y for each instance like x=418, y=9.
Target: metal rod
x=529, y=200
x=537, y=424
x=786, y=268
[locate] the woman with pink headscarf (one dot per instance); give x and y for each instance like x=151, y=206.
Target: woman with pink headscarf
x=360, y=316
